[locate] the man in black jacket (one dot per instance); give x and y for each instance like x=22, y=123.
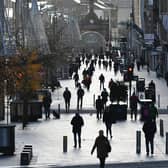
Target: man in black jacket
x=149, y=129
x=102, y=80
x=67, y=98
x=104, y=95
x=80, y=94
x=99, y=107
x=47, y=103
x=77, y=122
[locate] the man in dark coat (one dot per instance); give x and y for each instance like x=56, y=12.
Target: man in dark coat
x=104, y=95
x=47, y=103
x=133, y=105
x=108, y=119
x=152, y=88
x=77, y=122
x=103, y=148
x=67, y=98
x=80, y=94
x=76, y=78
x=99, y=107
x=149, y=129
x=102, y=80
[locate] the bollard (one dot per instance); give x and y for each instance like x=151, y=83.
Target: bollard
x=166, y=143
x=65, y=143
x=159, y=101
x=94, y=100
x=161, y=128
x=138, y=142
x=25, y=158
x=30, y=147
x=59, y=108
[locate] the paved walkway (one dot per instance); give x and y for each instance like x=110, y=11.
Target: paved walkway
x=161, y=88
x=47, y=140
x=46, y=136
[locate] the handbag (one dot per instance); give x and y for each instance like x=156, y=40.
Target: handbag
x=108, y=147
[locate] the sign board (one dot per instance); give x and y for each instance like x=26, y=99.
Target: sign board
x=149, y=38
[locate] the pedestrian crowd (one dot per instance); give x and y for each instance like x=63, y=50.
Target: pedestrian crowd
x=103, y=110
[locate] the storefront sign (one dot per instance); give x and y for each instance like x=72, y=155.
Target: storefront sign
x=149, y=38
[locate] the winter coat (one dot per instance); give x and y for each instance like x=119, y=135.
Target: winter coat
x=108, y=117
x=99, y=104
x=76, y=77
x=47, y=101
x=104, y=96
x=77, y=122
x=149, y=129
x=80, y=92
x=101, y=78
x=67, y=95
x=133, y=102
x=101, y=143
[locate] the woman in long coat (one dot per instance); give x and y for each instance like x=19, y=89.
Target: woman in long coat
x=103, y=147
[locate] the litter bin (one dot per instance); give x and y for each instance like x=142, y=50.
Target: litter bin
x=7, y=139
x=150, y=94
x=140, y=85
x=34, y=110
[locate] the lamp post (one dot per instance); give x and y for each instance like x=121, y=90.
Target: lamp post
x=109, y=25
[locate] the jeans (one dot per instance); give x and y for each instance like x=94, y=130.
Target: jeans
x=75, y=139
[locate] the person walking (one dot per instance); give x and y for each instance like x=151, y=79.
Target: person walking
x=104, y=95
x=76, y=79
x=149, y=129
x=99, y=107
x=77, y=122
x=102, y=80
x=133, y=105
x=88, y=81
x=108, y=119
x=47, y=103
x=138, y=64
x=67, y=98
x=80, y=94
x=103, y=148
x=152, y=88
x=166, y=78
x=148, y=67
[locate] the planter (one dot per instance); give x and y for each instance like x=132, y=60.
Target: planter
x=119, y=111
x=34, y=110
x=140, y=85
x=7, y=139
